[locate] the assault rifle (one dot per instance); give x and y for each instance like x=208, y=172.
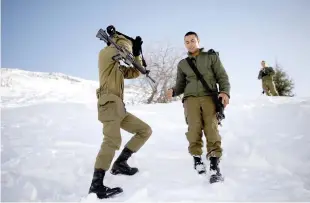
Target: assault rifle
x=123, y=54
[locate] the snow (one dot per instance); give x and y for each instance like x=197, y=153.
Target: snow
x=50, y=136
x=21, y=88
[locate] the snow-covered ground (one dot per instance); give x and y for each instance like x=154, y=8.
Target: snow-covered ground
x=48, y=148
x=21, y=88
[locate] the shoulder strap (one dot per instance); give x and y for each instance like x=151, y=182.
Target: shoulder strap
x=212, y=52
x=199, y=76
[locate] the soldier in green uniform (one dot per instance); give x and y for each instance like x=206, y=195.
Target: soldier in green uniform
x=114, y=117
x=266, y=74
x=199, y=108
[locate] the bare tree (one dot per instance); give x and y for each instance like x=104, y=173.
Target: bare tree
x=163, y=66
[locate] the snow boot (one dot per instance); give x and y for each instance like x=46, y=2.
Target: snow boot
x=215, y=174
x=199, y=165
x=120, y=165
x=99, y=189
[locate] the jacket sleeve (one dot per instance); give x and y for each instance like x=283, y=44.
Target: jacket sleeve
x=220, y=75
x=271, y=71
x=179, y=87
x=260, y=75
x=131, y=72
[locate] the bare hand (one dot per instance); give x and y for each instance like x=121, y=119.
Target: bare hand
x=225, y=99
x=169, y=93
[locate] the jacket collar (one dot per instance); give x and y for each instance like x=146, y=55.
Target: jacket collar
x=190, y=54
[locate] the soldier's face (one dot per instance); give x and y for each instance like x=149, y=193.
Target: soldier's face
x=263, y=63
x=191, y=43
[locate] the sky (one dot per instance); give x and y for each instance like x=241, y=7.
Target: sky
x=59, y=35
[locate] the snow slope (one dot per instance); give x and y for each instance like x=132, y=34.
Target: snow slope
x=48, y=151
x=20, y=88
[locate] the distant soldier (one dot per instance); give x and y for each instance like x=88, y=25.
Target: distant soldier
x=266, y=75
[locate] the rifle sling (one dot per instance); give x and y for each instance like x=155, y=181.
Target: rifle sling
x=199, y=76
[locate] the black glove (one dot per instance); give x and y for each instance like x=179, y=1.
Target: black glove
x=111, y=30
x=137, y=46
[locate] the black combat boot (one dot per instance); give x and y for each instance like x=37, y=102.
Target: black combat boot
x=199, y=165
x=99, y=189
x=120, y=165
x=215, y=173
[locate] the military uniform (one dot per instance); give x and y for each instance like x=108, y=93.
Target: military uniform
x=199, y=109
x=114, y=117
x=266, y=75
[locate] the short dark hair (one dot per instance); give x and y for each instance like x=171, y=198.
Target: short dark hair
x=191, y=33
